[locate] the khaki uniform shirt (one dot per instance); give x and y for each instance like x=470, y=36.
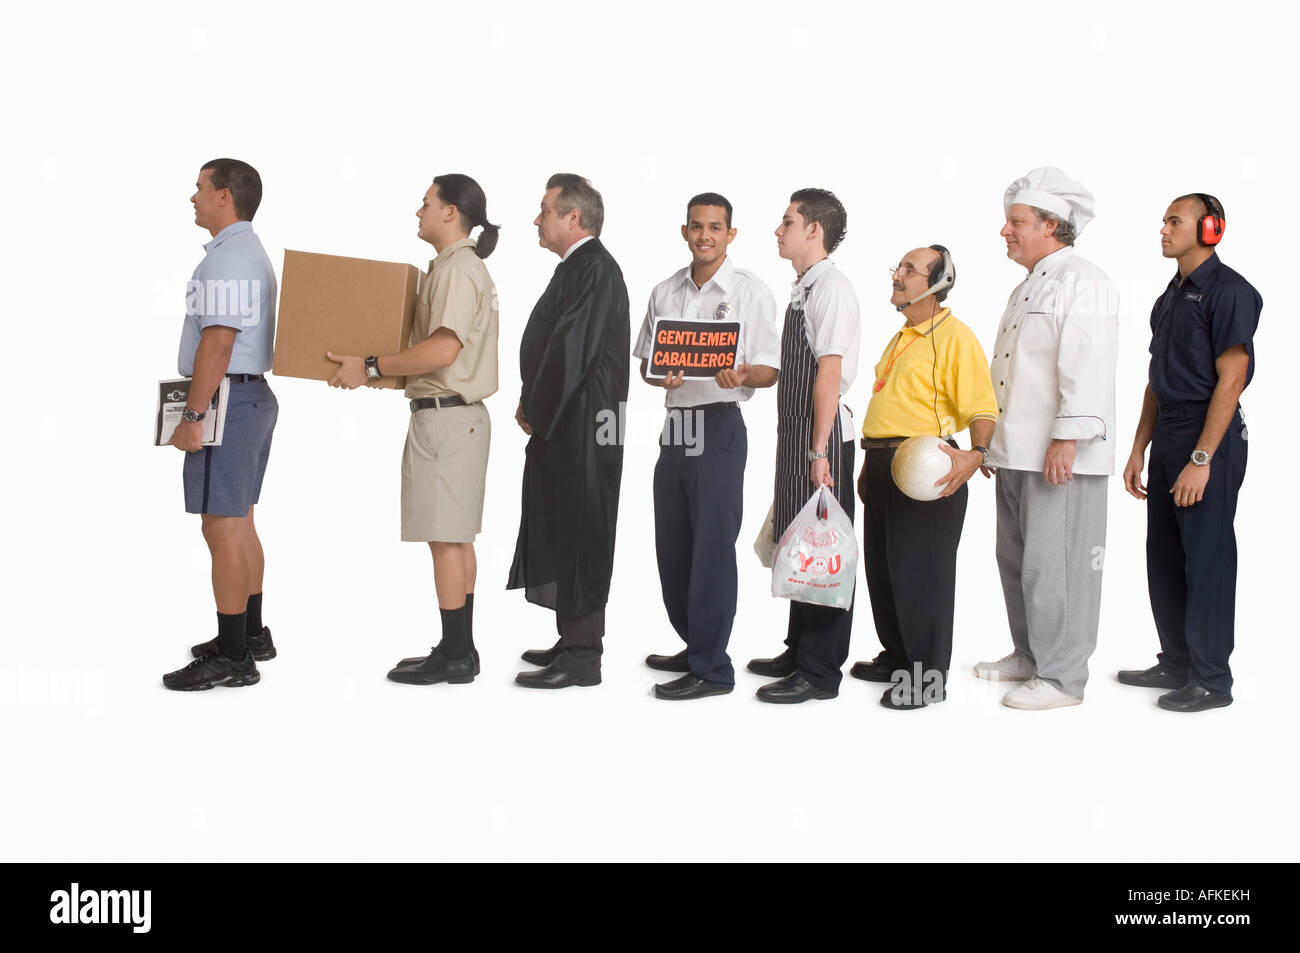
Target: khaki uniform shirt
x=458, y=294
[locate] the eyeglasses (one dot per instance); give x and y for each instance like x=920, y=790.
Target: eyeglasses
x=906, y=270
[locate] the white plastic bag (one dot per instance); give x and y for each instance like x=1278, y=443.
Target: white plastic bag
x=817, y=556
x=765, y=541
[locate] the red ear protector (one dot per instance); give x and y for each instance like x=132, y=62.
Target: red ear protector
x=1209, y=230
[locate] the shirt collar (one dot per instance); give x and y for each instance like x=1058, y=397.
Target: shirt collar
x=1058, y=257
x=454, y=247
x=568, y=252
x=724, y=277
x=924, y=329
x=1202, y=272
x=813, y=273
x=234, y=228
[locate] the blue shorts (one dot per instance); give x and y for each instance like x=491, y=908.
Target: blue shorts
x=227, y=480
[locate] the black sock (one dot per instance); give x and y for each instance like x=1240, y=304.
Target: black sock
x=230, y=635
x=253, y=627
x=455, y=633
x=469, y=622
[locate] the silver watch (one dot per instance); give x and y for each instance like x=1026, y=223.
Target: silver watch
x=193, y=416
x=817, y=455
x=372, y=368
x=1200, y=458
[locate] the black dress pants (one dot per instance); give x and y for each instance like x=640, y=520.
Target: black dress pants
x=910, y=550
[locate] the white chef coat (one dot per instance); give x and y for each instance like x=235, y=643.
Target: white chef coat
x=732, y=294
x=834, y=325
x=1053, y=366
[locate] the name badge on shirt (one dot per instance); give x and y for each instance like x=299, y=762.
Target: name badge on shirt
x=1191, y=296
x=721, y=311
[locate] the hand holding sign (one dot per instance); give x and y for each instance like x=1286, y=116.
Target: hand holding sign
x=673, y=380
x=693, y=349
x=732, y=377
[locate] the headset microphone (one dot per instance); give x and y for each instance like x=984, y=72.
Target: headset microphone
x=945, y=281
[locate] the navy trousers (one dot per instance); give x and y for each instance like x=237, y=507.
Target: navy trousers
x=699, y=496
x=1192, y=551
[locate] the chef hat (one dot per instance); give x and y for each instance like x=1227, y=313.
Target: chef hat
x=1053, y=191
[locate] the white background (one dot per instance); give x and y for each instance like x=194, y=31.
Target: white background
x=917, y=116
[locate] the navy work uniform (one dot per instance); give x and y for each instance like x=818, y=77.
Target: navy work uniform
x=699, y=480
x=1192, y=551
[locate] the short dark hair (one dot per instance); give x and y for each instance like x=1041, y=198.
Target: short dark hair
x=709, y=198
x=936, y=272
x=577, y=192
x=821, y=206
x=243, y=181
x=1201, y=197
x=467, y=195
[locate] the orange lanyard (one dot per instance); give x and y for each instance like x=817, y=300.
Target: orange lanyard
x=894, y=355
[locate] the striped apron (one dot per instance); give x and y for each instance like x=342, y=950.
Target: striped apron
x=794, y=421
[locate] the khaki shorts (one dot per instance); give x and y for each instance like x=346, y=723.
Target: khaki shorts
x=444, y=474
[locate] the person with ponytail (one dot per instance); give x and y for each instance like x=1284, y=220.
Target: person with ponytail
x=450, y=368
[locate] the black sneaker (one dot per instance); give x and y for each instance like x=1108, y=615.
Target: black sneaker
x=211, y=670
x=261, y=646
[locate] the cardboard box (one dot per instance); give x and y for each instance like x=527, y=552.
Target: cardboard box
x=344, y=305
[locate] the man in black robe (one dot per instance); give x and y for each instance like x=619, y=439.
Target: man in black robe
x=573, y=359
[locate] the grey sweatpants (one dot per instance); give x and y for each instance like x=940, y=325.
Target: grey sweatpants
x=1051, y=544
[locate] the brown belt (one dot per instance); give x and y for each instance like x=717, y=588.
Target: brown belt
x=882, y=443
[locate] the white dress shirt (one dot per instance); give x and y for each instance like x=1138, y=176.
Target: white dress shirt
x=575, y=246
x=732, y=294
x=834, y=325
x=1053, y=366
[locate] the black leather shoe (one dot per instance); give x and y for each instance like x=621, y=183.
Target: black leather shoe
x=791, y=691
x=542, y=657
x=879, y=669
x=435, y=668
x=905, y=699
x=1192, y=697
x=688, y=687
x=261, y=646
x=211, y=670
x=552, y=677
x=781, y=666
x=418, y=659
x=669, y=663
x=1157, y=676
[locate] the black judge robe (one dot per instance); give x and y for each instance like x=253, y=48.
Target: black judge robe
x=573, y=359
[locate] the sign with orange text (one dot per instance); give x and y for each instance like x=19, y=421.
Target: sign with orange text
x=700, y=348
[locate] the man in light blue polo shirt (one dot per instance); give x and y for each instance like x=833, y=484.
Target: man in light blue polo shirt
x=229, y=331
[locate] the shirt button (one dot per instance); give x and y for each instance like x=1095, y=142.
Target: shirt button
x=1026, y=299
x=1002, y=383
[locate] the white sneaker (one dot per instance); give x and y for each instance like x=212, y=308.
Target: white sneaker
x=1038, y=694
x=1010, y=668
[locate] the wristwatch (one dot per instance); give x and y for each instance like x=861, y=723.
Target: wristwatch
x=983, y=450
x=193, y=416
x=817, y=454
x=372, y=368
x=1200, y=458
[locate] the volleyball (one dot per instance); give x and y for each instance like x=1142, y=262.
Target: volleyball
x=918, y=462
